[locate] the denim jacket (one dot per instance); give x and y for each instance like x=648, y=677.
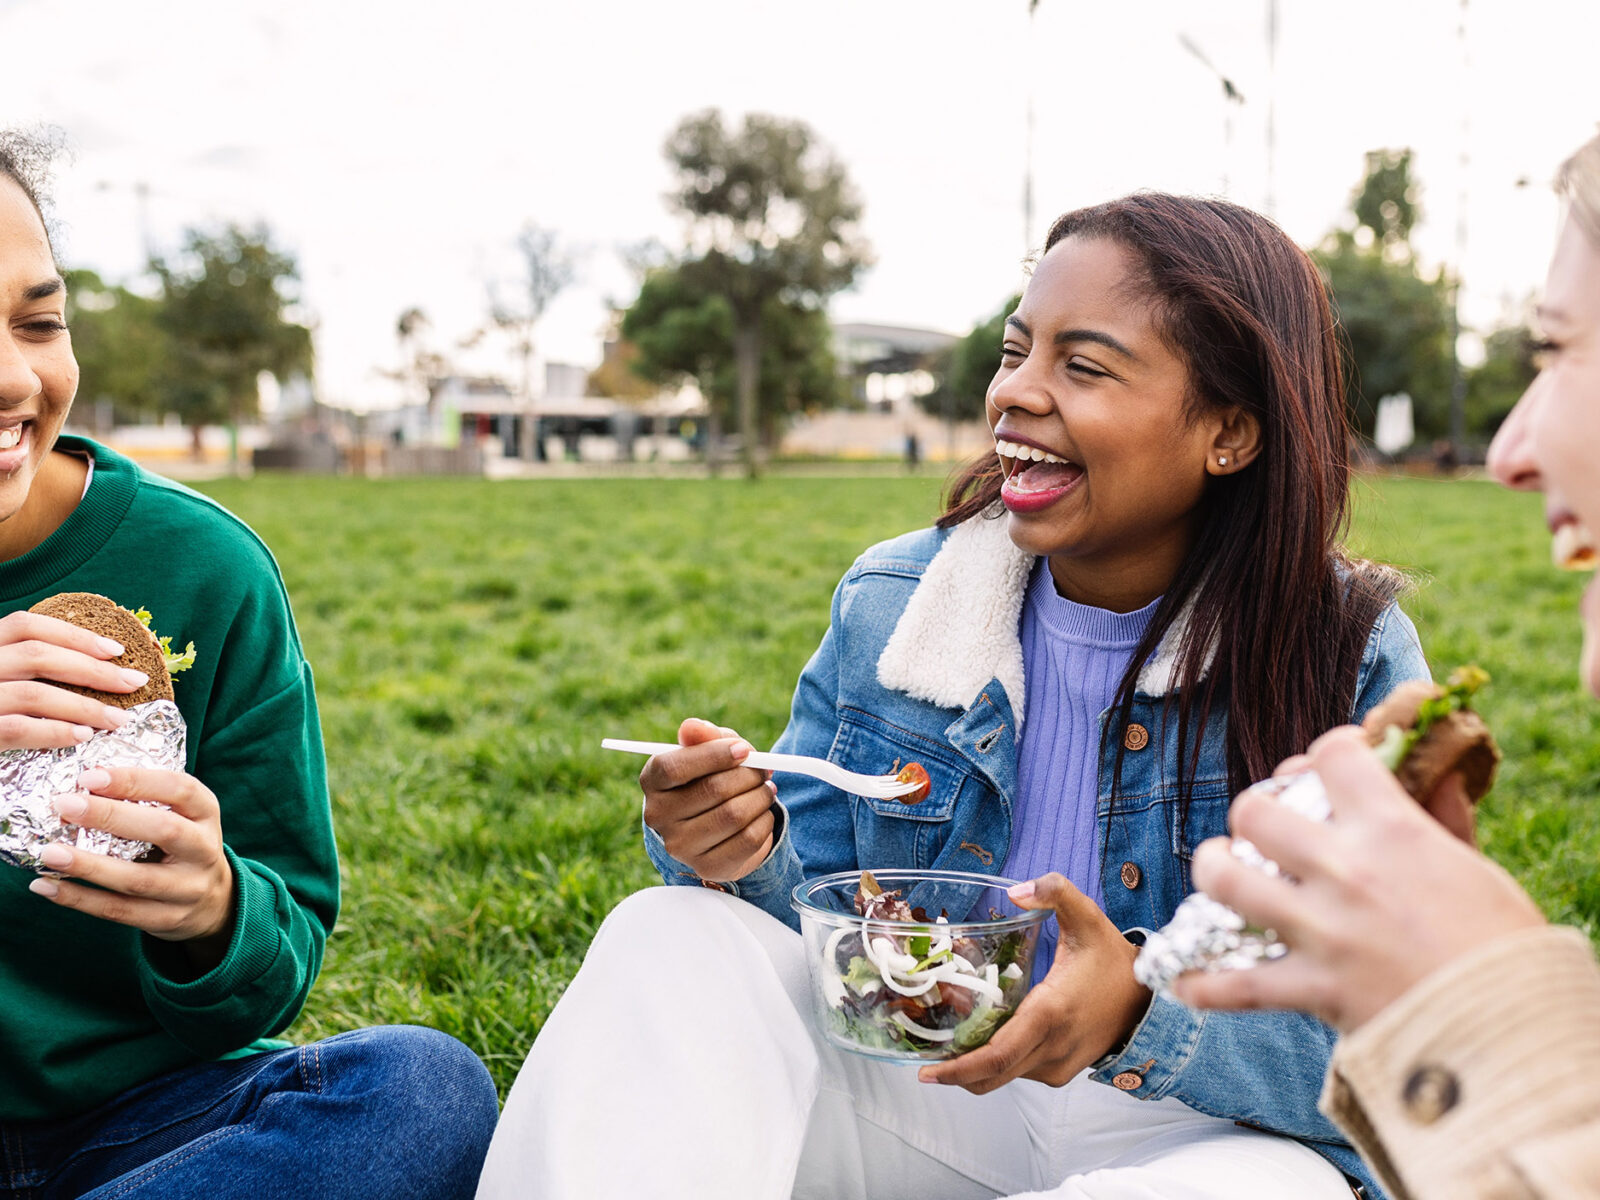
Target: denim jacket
x=922, y=663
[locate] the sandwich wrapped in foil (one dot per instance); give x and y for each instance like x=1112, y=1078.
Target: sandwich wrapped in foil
x=30, y=780
x=1206, y=935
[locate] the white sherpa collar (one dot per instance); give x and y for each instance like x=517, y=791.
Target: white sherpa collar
x=959, y=630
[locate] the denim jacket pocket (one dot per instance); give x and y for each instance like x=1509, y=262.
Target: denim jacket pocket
x=1206, y=817
x=903, y=832
x=1149, y=845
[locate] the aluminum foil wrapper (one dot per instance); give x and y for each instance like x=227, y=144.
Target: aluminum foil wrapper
x=30, y=780
x=1205, y=934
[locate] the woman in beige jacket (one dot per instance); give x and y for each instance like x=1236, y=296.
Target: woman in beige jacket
x=1470, y=1061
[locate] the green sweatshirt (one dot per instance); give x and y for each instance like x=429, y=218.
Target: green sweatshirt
x=89, y=1009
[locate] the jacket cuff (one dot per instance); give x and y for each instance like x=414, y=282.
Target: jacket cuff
x=1147, y=1068
x=768, y=886
x=1443, y=1088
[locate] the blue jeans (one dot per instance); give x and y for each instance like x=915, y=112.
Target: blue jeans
x=391, y=1111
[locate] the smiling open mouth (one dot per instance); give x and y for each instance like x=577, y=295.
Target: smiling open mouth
x=10, y=436
x=1572, y=548
x=1031, y=470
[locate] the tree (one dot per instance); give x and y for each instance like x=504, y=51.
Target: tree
x=772, y=217
x=121, y=348
x=968, y=368
x=547, y=270
x=618, y=375
x=1494, y=385
x=421, y=368
x=225, y=309
x=679, y=330
x=1387, y=202
x=1396, y=322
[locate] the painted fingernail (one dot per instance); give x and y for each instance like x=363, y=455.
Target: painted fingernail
x=741, y=749
x=48, y=888
x=116, y=717
x=71, y=805
x=82, y=733
x=1021, y=891
x=134, y=678
x=56, y=857
x=773, y=788
x=94, y=777
x=108, y=647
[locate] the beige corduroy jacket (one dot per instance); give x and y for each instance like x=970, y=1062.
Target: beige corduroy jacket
x=1483, y=1081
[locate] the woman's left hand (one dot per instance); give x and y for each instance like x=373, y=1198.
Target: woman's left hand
x=1088, y=1003
x=185, y=896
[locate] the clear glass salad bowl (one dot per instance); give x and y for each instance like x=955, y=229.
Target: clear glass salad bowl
x=907, y=984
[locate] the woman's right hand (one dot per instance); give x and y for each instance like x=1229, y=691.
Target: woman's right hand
x=713, y=815
x=37, y=652
x=1383, y=895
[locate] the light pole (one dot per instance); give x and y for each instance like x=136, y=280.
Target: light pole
x=141, y=192
x=1458, y=377
x=1231, y=96
x=1027, y=168
x=1272, y=109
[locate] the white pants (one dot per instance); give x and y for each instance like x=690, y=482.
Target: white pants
x=683, y=1062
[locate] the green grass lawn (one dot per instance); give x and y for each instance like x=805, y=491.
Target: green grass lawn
x=474, y=641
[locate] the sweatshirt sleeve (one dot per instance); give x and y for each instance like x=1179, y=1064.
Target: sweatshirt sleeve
x=1483, y=1080
x=267, y=769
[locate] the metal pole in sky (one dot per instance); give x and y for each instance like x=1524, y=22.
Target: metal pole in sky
x=1027, y=172
x=1231, y=95
x=1458, y=378
x=1272, y=109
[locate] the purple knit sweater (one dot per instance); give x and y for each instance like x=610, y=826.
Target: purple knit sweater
x=1073, y=658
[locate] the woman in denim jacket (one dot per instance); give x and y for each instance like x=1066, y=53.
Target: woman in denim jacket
x=1134, y=607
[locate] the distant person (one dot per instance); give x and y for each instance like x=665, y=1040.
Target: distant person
x=913, y=451
x=1470, y=1065
x=137, y=998
x=1152, y=543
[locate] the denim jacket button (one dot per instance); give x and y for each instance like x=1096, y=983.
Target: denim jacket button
x=1131, y=875
x=1131, y=1081
x=1135, y=736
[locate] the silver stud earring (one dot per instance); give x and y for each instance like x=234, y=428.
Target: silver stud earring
x=1222, y=460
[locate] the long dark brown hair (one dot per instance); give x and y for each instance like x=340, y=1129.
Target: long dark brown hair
x=1277, y=613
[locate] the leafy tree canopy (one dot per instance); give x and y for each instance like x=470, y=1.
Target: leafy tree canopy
x=1396, y=322
x=120, y=345
x=225, y=308
x=969, y=366
x=771, y=218
x=681, y=331
x=1495, y=385
x=1387, y=203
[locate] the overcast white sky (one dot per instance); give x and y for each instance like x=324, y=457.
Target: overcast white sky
x=396, y=148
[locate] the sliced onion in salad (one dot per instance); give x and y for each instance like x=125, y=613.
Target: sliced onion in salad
x=897, y=981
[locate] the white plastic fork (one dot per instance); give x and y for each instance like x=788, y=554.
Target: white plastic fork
x=879, y=787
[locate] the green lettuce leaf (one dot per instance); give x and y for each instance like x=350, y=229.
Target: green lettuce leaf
x=175, y=662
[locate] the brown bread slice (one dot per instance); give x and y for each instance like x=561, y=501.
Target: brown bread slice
x=1458, y=742
x=141, y=650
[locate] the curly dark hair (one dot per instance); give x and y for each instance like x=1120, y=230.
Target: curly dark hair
x=26, y=156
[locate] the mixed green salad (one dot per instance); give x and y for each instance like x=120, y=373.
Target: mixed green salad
x=900, y=982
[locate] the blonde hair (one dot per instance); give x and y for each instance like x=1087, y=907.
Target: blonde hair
x=1579, y=181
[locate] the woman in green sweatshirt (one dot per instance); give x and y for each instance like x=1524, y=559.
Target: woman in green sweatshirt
x=137, y=998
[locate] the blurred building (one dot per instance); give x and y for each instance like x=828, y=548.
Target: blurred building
x=890, y=366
